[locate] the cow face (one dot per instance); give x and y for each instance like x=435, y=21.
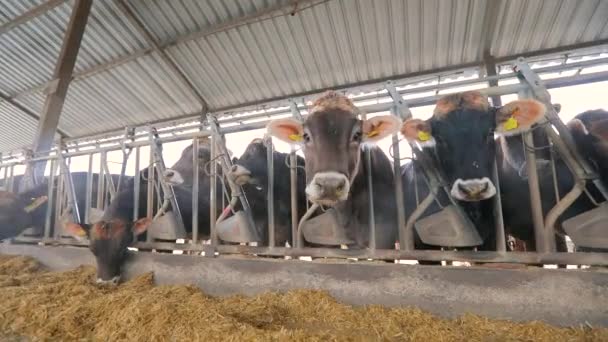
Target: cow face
x=251, y=168
x=461, y=132
x=181, y=173
x=331, y=139
x=108, y=241
x=590, y=132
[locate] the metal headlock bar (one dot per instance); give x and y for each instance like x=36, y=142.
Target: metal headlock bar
x=531, y=85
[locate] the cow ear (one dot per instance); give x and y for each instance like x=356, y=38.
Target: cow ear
x=418, y=131
x=288, y=130
x=77, y=230
x=141, y=225
x=577, y=126
x=518, y=116
x=379, y=127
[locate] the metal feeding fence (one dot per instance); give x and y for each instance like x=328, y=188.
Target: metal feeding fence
x=168, y=226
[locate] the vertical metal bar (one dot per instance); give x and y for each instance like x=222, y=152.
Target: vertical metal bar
x=293, y=180
x=501, y=245
x=490, y=64
x=195, y=189
x=370, y=195
x=52, y=195
x=11, y=179
x=535, y=198
x=109, y=180
x=89, y=191
x=69, y=187
x=293, y=185
x=270, y=166
x=100, y=182
x=5, y=182
x=136, y=185
x=60, y=198
x=213, y=193
x=150, y=194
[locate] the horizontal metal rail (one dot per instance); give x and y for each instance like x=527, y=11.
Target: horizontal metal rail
x=594, y=259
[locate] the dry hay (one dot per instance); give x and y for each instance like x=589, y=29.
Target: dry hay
x=64, y=306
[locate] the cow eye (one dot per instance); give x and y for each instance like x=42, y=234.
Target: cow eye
x=357, y=136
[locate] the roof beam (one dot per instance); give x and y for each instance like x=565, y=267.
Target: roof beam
x=29, y=15
x=140, y=26
x=62, y=76
x=268, y=12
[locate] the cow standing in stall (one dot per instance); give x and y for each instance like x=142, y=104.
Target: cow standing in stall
x=332, y=137
x=110, y=237
x=251, y=172
x=461, y=136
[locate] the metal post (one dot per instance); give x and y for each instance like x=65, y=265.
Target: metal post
x=89, y=191
x=270, y=166
x=136, y=185
x=226, y=165
x=101, y=182
x=213, y=196
x=402, y=111
x=150, y=192
x=126, y=152
x=293, y=185
x=69, y=187
x=56, y=93
x=293, y=179
x=50, y=201
x=195, y=189
x=490, y=64
x=159, y=165
x=11, y=179
x=535, y=198
x=370, y=195
x=499, y=224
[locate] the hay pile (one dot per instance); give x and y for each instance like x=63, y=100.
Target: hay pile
x=67, y=306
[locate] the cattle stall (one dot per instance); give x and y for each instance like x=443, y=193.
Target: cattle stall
x=145, y=75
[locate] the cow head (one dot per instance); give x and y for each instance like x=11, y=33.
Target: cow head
x=181, y=173
x=331, y=139
x=16, y=212
x=108, y=241
x=461, y=132
x=590, y=132
x=251, y=168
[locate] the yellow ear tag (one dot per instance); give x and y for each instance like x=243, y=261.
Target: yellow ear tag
x=510, y=124
x=372, y=134
x=295, y=137
x=423, y=136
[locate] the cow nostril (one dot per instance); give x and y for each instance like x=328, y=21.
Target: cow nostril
x=485, y=187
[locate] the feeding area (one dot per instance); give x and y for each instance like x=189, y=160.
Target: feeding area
x=310, y=169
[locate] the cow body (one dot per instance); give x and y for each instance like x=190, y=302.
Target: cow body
x=251, y=172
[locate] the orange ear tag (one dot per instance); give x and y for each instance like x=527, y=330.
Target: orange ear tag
x=510, y=124
x=423, y=136
x=295, y=137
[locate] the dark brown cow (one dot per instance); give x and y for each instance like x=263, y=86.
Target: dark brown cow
x=331, y=138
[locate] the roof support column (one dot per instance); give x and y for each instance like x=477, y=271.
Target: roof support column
x=57, y=90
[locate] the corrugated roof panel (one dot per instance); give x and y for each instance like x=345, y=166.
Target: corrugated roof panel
x=16, y=129
x=12, y=9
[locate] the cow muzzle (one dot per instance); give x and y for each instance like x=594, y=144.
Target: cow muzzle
x=239, y=175
x=472, y=190
x=328, y=188
x=173, y=177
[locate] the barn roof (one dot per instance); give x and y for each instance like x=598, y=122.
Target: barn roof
x=148, y=61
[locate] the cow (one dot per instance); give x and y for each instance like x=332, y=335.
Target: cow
x=461, y=136
x=251, y=172
x=332, y=139
x=110, y=237
x=590, y=133
x=28, y=208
